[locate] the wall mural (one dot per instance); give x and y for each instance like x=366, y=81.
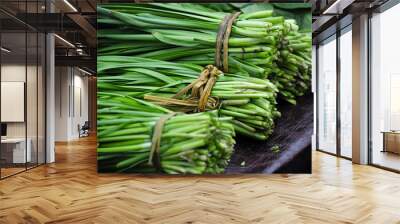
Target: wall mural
x=186, y=88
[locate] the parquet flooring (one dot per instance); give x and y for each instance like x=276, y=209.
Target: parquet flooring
x=71, y=191
x=7, y=171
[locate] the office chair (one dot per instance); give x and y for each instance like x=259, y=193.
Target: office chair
x=84, y=130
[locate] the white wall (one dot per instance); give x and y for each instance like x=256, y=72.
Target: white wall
x=16, y=73
x=80, y=110
x=13, y=101
x=62, y=82
x=71, y=102
x=9, y=73
x=33, y=127
x=13, y=72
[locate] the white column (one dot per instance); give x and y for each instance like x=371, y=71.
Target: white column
x=360, y=90
x=50, y=92
x=50, y=99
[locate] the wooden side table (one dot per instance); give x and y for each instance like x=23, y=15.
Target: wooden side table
x=391, y=141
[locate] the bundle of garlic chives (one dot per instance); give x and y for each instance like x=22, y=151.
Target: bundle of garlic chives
x=184, y=25
x=262, y=45
x=125, y=129
x=250, y=101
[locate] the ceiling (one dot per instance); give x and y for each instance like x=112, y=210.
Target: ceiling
x=329, y=14
x=73, y=21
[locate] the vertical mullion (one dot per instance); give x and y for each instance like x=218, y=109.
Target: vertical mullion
x=26, y=86
x=317, y=96
x=338, y=92
x=60, y=76
x=0, y=90
x=69, y=92
x=73, y=93
x=37, y=89
x=369, y=90
x=46, y=4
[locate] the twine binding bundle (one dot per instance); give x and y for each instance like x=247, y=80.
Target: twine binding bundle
x=154, y=157
x=201, y=88
x=224, y=32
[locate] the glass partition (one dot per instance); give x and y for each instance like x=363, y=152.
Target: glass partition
x=385, y=89
x=22, y=78
x=41, y=97
x=32, y=97
x=346, y=92
x=327, y=95
x=13, y=95
x=33, y=85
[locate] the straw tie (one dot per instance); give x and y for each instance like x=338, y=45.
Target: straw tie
x=222, y=42
x=154, y=157
x=200, y=91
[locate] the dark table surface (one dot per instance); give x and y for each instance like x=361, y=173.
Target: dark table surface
x=292, y=134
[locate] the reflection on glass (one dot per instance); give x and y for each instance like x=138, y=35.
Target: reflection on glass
x=22, y=89
x=14, y=153
x=346, y=93
x=31, y=99
x=327, y=96
x=41, y=99
x=385, y=114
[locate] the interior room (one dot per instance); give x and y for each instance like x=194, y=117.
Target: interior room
x=385, y=123
x=25, y=68
x=334, y=112
x=22, y=102
x=52, y=113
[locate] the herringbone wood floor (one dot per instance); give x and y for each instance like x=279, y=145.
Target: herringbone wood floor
x=70, y=191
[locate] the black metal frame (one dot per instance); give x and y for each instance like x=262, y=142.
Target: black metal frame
x=44, y=80
x=0, y=89
x=317, y=91
x=337, y=34
x=338, y=98
x=387, y=5
x=369, y=90
x=45, y=87
x=26, y=90
x=316, y=97
x=340, y=33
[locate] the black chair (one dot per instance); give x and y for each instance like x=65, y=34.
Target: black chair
x=84, y=130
